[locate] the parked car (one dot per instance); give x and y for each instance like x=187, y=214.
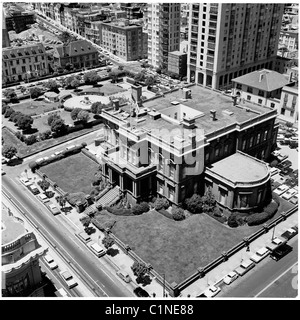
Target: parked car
x=68, y=278
x=34, y=189
x=140, y=292
x=289, y=194
x=97, y=249
x=25, y=181
x=83, y=236
x=50, y=262
x=260, y=254
x=212, y=291
x=53, y=208
x=244, y=267
x=295, y=228
x=43, y=197
x=281, y=189
x=124, y=275
x=281, y=251
x=289, y=233
x=231, y=276
x=275, y=243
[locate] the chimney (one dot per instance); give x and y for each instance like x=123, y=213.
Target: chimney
x=261, y=77
x=136, y=92
x=213, y=115
x=192, y=139
x=116, y=103
x=187, y=94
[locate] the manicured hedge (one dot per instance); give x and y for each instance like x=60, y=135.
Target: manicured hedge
x=261, y=217
x=161, y=203
x=140, y=208
x=119, y=212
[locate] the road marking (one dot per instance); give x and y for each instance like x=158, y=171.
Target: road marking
x=282, y=274
x=108, y=276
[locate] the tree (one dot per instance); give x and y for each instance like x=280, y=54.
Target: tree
x=120, y=67
x=139, y=76
x=114, y=75
x=150, y=81
x=23, y=89
x=209, y=201
x=108, y=241
x=194, y=204
x=141, y=271
x=31, y=139
x=91, y=77
x=97, y=107
x=8, y=112
x=35, y=92
x=10, y=94
x=53, y=117
x=178, y=214
x=9, y=151
x=66, y=37
x=25, y=122
x=45, y=135
x=83, y=116
x=44, y=184
x=74, y=113
x=75, y=83
x=52, y=85
x=158, y=70
x=16, y=116
x=62, y=200
x=10, y=118
x=69, y=66
x=59, y=127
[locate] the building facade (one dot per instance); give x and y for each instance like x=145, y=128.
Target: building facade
x=288, y=110
x=229, y=40
x=122, y=39
x=177, y=63
x=263, y=87
x=164, y=149
x=23, y=63
x=21, y=274
x=81, y=54
x=163, y=32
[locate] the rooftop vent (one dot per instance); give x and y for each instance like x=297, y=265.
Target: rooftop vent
x=174, y=103
x=213, y=115
x=228, y=112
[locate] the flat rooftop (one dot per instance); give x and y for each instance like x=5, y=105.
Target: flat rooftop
x=11, y=228
x=203, y=100
x=240, y=167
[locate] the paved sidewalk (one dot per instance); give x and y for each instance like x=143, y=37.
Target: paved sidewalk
x=233, y=262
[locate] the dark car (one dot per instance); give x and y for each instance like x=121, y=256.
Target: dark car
x=288, y=234
x=281, y=251
x=139, y=292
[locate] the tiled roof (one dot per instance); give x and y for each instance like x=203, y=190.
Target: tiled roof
x=76, y=48
x=266, y=80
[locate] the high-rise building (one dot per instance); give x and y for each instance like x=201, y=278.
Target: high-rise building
x=228, y=40
x=163, y=32
x=5, y=36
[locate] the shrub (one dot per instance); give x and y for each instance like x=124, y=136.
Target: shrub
x=137, y=209
x=271, y=208
x=31, y=139
x=161, y=203
x=8, y=112
x=145, y=206
x=119, y=212
x=178, y=214
x=4, y=107
x=73, y=198
x=44, y=184
x=20, y=136
x=46, y=135
x=232, y=221
x=194, y=204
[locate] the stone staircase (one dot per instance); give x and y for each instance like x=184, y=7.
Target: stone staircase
x=109, y=197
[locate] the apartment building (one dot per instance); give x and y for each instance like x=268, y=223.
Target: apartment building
x=23, y=63
x=81, y=54
x=228, y=40
x=122, y=39
x=288, y=110
x=20, y=250
x=289, y=39
x=163, y=32
x=18, y=21
x=177, y=63
x=167, y=148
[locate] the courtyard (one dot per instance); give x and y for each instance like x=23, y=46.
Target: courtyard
x=72, y=174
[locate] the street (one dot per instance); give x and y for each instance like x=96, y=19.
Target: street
x=265, y=274
x=80, y=259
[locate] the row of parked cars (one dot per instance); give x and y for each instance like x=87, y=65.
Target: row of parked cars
x=277, y=249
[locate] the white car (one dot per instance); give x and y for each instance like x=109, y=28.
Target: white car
x=50, y=262
x=26, y=182
x=53, y=208
x=244, y=267
x=68, y=278
x=289, y=194
x=275, y=243
x=212, y=291
x=43, y=197
x=232, y=276
x=281, y=189
x=260, y=254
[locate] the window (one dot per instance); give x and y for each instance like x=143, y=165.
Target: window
x=207, y=156
x=23, y=69
x=282, y=111
x=251, y=142
x=172, y=167
x=272, y=105
x=244, y=145
x=239, y=86
x=259, y=101
x=171, y=193
x=160, y=162
x=259, y=196
x=244, y=200
x=217, y=151
x=13, y=70
x=222, y=196
x=226, y=148
x=265, y=135
x=249, y=89
x=258, y=138
x=248, y=98
x=260, y=93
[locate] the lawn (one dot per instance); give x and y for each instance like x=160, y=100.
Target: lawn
x=35, y=107
x=176, y=248
x=73, y=174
